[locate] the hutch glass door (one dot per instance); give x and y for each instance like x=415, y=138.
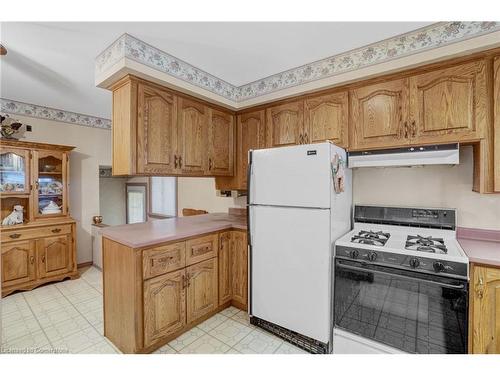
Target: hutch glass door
x=50, y=177
x=14, y=174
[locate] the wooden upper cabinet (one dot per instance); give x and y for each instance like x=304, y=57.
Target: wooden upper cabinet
x=54, y=255
x=156, y=130
x=18, y=263
x=164, y=306
x=325, y=118
x=221, y=133
x=202, y=289
x=378, y=115
x=449, y=104
x=250, y=135
x=192, y=127
x=285, y=124
x=485, y=310
x=496, y=122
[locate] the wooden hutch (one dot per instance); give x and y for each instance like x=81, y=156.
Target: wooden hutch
x=42, y=248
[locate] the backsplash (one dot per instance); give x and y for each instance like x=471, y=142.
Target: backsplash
x=430, y=186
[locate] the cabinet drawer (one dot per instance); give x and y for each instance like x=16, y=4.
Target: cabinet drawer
x=160, y=260
x=201, y=248
x=25, y=234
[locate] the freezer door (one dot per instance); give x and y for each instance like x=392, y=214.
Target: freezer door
x=298, y=176
x=290, y=268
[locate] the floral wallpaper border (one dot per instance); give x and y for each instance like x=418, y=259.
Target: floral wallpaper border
x=38, y=111
x=432, y=36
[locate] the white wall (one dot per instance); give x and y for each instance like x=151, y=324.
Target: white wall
x=199, y=193
x=112, y=200
x=93, y=148
x=430, y=186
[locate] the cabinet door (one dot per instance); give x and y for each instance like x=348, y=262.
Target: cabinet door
x=54, y=255
x=202, y=290
x=164, y=306
x=379, y=114
x=220, y=143
x=225, y=292
x=51, y=183
x=250, y=135
x=239, y=268
x=496, y=126
x=285, y=124
x=14, y=171
x=449, y=104
x=192, y=136
x=485, y=310
x=18, y=263
x=156, y=130
x=326, y=118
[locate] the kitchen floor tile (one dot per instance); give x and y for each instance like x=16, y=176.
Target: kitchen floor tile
x=79, y=341
x=242, y=317
x=206, y=345
x=287, y=348
x=30, y=343
x=230, y=311
x=165, y=349
x=212, y=322
x=20, y=329
x=60, y=330
x=230, y=332
x=186, y=338
x=258, y=342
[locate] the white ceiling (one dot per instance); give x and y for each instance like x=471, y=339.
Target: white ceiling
x=52, y=64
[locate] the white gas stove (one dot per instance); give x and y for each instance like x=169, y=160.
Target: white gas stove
x=401, y=283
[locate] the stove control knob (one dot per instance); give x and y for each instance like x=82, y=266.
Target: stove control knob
x=414, y=262
x=372, y=256
x=354, y=254
x=438, y=266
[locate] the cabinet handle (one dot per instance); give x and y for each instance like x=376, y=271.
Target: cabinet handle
x=301, y=137
x=175, y=161
x=56, y=230
x=183, y=282
x=188, y=281
x=413, y=128
x=43, y=258
x=480, y=288
x=32, y=259
x=180, y=161
x=36, y=185
x=307, y=137
x=15, y=235
x=209, y=164
x=406, y=129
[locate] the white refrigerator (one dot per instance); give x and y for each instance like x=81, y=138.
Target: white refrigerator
x=295, y=215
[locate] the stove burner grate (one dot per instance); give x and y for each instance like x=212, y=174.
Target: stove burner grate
x=371, y=238
x=426, y=244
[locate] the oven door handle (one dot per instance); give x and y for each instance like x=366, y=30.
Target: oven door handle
x=461, y=286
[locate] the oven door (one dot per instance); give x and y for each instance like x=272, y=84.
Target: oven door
x=411, y=311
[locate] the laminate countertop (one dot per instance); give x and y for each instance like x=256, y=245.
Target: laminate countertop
x=157, y=231
x=481, y=246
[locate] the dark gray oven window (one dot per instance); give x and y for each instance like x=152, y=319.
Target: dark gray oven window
x=400, y=310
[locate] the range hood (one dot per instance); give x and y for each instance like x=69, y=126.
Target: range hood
x=407, y=156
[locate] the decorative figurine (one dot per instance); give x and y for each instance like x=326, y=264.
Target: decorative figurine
x=15, y=217
x=9, y=127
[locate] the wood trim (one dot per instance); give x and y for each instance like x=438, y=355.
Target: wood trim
x=35, y=145
x=84, y=264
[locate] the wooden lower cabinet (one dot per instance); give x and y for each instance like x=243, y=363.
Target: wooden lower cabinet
x=224, y=259
x=18, y=263
x=153, y=295
x=202, y=289
x=239, y=269
x=54, y=255
x=164, y=305
x=484, y=325
x=34, y=255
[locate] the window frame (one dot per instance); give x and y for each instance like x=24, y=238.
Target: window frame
x=150, y=196
x=146, y=200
